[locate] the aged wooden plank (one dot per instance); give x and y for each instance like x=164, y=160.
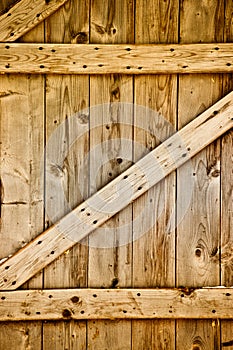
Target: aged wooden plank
x=226, y=192
x=24, y=16
x=20, y=335
x=82, y=304
x=198, y=334
x=154, y=238
x=22, y=217
x=124, y=58
x=112, y=22
x=198, y=234
x=65, y=96
x=115, y=196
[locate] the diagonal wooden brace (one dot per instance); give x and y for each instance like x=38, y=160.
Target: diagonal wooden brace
x=115, y=196
x=24, y=16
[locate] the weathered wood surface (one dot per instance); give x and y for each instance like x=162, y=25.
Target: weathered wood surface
x=115, y=196
x=25, y=15
x=22, y=215
x=227, y=192
x=127, y=59
x=154, y=237
x=82, y=304
x=199, y=231
x=65, y=95
x=110, y=260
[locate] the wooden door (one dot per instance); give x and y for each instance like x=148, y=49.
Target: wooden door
x=176, y=241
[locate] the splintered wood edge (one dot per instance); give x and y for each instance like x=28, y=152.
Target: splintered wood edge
x=81, y=304
x=24, y=16
x=125, y=59
x=92, y=213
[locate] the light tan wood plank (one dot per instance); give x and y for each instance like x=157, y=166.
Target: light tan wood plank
x=226, y=193
x=115, y=196
x=198, y=334
x=25, y=153
x=110, y=127
x=64, y=335
x=227, y=174
x=199, y=231
x=81, y=304
x=154, y=245
x=198, y=235
x=126, y=59
x=24, y=16
x=109, y=254
x=109, y=334
x=153, y=334
x=66, y=184
x=20, y=335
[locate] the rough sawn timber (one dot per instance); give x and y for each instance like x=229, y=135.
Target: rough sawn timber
x=81, y=304
x=117, y=58
x=25, y=15
x=115, y=196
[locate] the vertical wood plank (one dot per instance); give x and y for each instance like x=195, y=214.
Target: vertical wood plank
x=198, y=235
x=154, y=251
x=22, y=134
x=22, y=213
x=226, y=191
x=66, y=96
x=37, y=109
x=198, y=335
x=111, y=22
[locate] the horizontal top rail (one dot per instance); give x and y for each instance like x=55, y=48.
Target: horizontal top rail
x=125, y=59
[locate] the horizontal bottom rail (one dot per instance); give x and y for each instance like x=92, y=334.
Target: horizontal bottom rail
x=82, y=304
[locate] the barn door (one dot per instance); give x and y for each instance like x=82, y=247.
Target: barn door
x=138, y=281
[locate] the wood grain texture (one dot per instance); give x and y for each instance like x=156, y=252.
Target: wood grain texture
x=25, y=15
x=116, y=195
x=154, y=245
x=20, y=335
x=198, y=235
x=22, y=140
x=201, y=334
x=66, y=169
x=81, y=304
x=226, y=192
x=5, y=5
x=124, y=58
x=112, y=22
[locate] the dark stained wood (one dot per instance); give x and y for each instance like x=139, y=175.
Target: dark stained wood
x=6, y=4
